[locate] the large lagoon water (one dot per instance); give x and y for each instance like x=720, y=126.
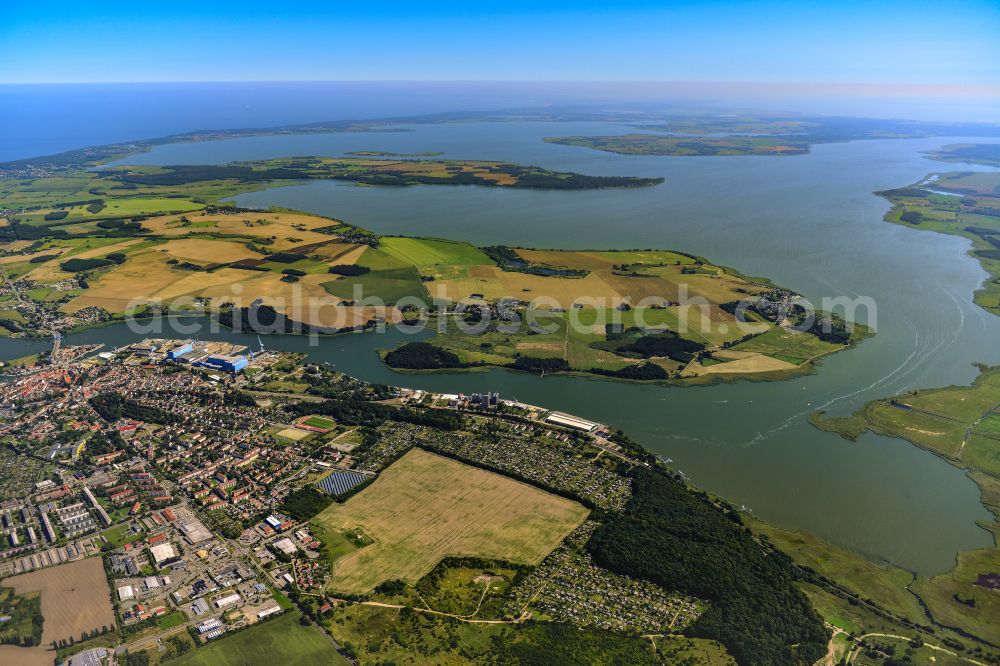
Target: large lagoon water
x=811, y=223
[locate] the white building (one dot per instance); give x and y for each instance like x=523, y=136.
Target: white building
x=125, y=592
x=570, y=421
x=227, y=600
x=286, y=546
x=162, y=552
x=268, y=612
x=208, y=625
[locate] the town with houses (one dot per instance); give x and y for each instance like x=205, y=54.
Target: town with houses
x=174, y=462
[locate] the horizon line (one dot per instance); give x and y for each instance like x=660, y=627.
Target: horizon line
x=882, y=89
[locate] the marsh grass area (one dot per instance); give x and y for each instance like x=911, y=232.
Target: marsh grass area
x=962, y=425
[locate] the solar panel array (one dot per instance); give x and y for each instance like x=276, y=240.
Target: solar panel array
x=340, y=482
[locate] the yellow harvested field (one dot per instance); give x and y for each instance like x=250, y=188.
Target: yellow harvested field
x=751, y=364
x=340, y=254
x=555, y=347
x=50, y=271
x=75, y=599
x=107, y=249
x=426, y=507
x=34, y=656
x=591, y=261
x=18, y=258
x=327, y=314
x=14, y=246
x=733, y=355
x=207, y=251
x=147, y=278
x=601, y=284
x=494, y=283
x=287, y=230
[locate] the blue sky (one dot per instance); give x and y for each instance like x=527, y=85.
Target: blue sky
x=887, y=41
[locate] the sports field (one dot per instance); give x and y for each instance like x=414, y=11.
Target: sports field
x=279, y=641
x=294, y=434
x=426, y=507
x=320, y=422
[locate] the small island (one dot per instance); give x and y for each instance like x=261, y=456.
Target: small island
x=685, y=146
x=779, y=135
x=389, y=153
x=373, y=171
x=969, y=153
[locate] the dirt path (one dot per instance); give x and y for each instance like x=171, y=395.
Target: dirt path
x=830, y=659
x=461, y=618
x=968, y=431
x=937, y=648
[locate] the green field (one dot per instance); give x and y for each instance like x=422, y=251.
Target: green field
x=320, y=422
x=113, y=208
x=391, y=285
x=171, y=620
x=429, y=251
x=119, y=535
x=279, y=641
x=792, y=346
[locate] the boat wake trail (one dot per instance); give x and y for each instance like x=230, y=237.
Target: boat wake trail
x=761, y=436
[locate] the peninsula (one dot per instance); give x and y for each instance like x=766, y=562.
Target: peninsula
x=84, y=246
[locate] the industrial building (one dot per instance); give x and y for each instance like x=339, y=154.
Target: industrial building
x=209, y=625
x=569, y=421
x=268, y=612
x=146, y=347
x=179, y=349
x=227, y=600
x=195, y=532
x=285, y=546
x=162, y=554
x=225, y=363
